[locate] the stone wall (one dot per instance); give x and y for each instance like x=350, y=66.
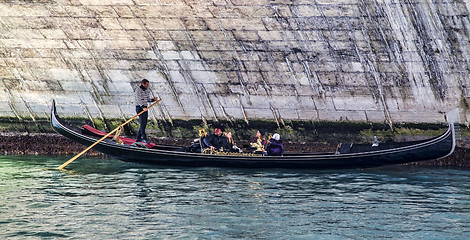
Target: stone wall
x=357, y=60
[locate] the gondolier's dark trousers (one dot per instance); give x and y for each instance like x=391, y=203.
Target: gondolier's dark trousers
x=143, y=123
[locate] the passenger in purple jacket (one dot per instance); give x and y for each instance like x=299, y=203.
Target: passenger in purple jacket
x=275, y=146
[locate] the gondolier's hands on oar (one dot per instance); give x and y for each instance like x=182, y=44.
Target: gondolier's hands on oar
x=155, y=99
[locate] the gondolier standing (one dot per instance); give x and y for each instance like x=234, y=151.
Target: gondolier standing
x=142, y=98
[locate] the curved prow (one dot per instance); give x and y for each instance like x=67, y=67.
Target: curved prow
x=453, y=116
x=453, y=119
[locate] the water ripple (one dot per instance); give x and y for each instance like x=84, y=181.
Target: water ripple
x=109, y=199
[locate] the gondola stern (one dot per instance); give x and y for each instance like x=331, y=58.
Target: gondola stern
x=55, y=119
x=54, y=116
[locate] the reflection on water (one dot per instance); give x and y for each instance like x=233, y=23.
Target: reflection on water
x=105, y=199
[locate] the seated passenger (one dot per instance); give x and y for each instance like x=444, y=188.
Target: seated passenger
x=258, y=144
x=215, y=141
x=229, y=144
x=275, y=146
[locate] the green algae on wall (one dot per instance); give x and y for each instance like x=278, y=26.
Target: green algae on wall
x=295, y=131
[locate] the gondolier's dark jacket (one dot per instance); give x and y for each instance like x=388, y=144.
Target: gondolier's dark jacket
x=142, y=96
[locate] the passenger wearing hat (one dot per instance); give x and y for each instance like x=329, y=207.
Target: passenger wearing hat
x=259, y=142
x=275, y=146
x=215, y=140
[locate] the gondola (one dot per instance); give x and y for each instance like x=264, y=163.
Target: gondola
x=347, y=156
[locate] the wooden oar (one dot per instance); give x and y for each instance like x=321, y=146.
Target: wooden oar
x=105, y=136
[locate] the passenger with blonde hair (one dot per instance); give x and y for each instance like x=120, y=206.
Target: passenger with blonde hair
x=229, y=144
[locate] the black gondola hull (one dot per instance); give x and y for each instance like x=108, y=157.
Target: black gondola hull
x=434, y=148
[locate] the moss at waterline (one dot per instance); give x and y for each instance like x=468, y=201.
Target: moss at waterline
x=10, y=124
x=296, y=131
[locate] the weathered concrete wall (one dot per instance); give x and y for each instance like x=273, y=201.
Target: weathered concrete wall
x=381, y=60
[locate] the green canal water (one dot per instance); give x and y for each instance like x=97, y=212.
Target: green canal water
x=110, y=199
